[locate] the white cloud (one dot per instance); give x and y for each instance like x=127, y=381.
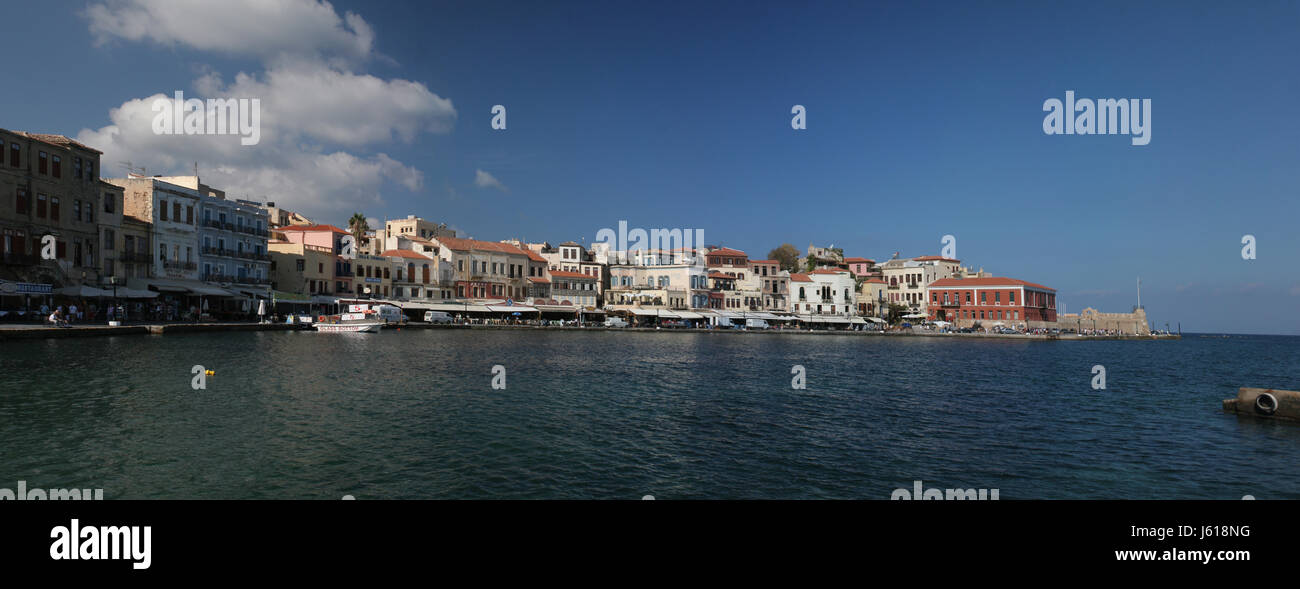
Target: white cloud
x=485, y=180
x=255, y=28
x=314, y=109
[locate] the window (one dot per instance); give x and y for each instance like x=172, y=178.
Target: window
x=43, y=162
x=189, y=214
x=61, y=250
x=76, y=210
x=58, y=167
x=21, y=204
x=162, y=252
x=162, y=210
x=90, y=170
x=54, y=209
x=76, y=168
x=300, y=266
x=15, y=154
x=110, y=203
x=176, y=211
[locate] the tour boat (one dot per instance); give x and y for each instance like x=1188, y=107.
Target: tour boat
x=364, y=322
x=349, y=327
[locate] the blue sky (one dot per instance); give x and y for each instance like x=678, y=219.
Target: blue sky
x=923, y=120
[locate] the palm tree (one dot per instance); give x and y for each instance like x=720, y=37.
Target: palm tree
x=358, y=226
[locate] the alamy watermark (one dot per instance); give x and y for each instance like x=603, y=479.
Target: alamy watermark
x=624, y=240
x=216, y=116
x=25, y=494
x=920, y=493
x=1104, y=116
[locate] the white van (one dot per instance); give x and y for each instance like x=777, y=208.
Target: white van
x=436, y=317
x=755, y=324
x=615, y=322
x=389, y=314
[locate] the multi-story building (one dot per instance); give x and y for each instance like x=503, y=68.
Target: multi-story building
x=232, y=236
x=659, y=279
x=302, y=268
x=824, y=292
x=862, y=266
x=871, y=298
x=420, y=277
x=50, y=185
x=773, y=285
x=171, y=211
x=136, y=257
x=111, y=235
x=411, y=226
x=485, y=269
x=327, y=238
x=573, y=288
x=572, y=257
x=907, y=278
x=990, y=301
x=374, y=276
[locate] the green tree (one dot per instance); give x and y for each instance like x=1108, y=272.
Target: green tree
x=895, y=313
x=787, y=255
x=358, y=226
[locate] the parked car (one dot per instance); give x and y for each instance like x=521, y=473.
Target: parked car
x=615, y=322
x=436, y=317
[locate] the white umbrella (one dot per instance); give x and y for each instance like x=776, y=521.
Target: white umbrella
x=261, y=307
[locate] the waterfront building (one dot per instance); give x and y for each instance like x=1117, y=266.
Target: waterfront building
x=373, y=276
x=232, y=237
x=824, y=292
x=485, y=270
x=418, y=276
x=170, y=210
x=871, y=298
x=326, y=238
x=658, y=279
x=136, y=257
x=302, y=268
x=992, y=301
x=573, y=288
x=51, y=186
x=111, y=235
x=572, y=257
x=906, y=279
x=773, y=285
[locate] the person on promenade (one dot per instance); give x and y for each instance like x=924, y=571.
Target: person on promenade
x=72, y=312
x=57, y=318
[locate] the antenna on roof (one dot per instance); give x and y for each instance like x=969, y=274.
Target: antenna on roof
x=131, y=170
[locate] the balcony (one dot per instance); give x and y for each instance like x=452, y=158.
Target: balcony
x=177, y=265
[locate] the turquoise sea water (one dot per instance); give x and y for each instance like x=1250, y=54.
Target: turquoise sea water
x=413, y=414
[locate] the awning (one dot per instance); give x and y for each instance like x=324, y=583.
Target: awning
x=669, y=315
x=644, y=312
x=875, y=320
x=836, y=320
x=511, y=309
x=211, y=291
x=83, y=291
x=810, y=319
x=914, y=316
x=689, y=315
x=858, y=320
x=131, y=293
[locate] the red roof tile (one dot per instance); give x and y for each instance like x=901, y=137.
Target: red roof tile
x=992, y=281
